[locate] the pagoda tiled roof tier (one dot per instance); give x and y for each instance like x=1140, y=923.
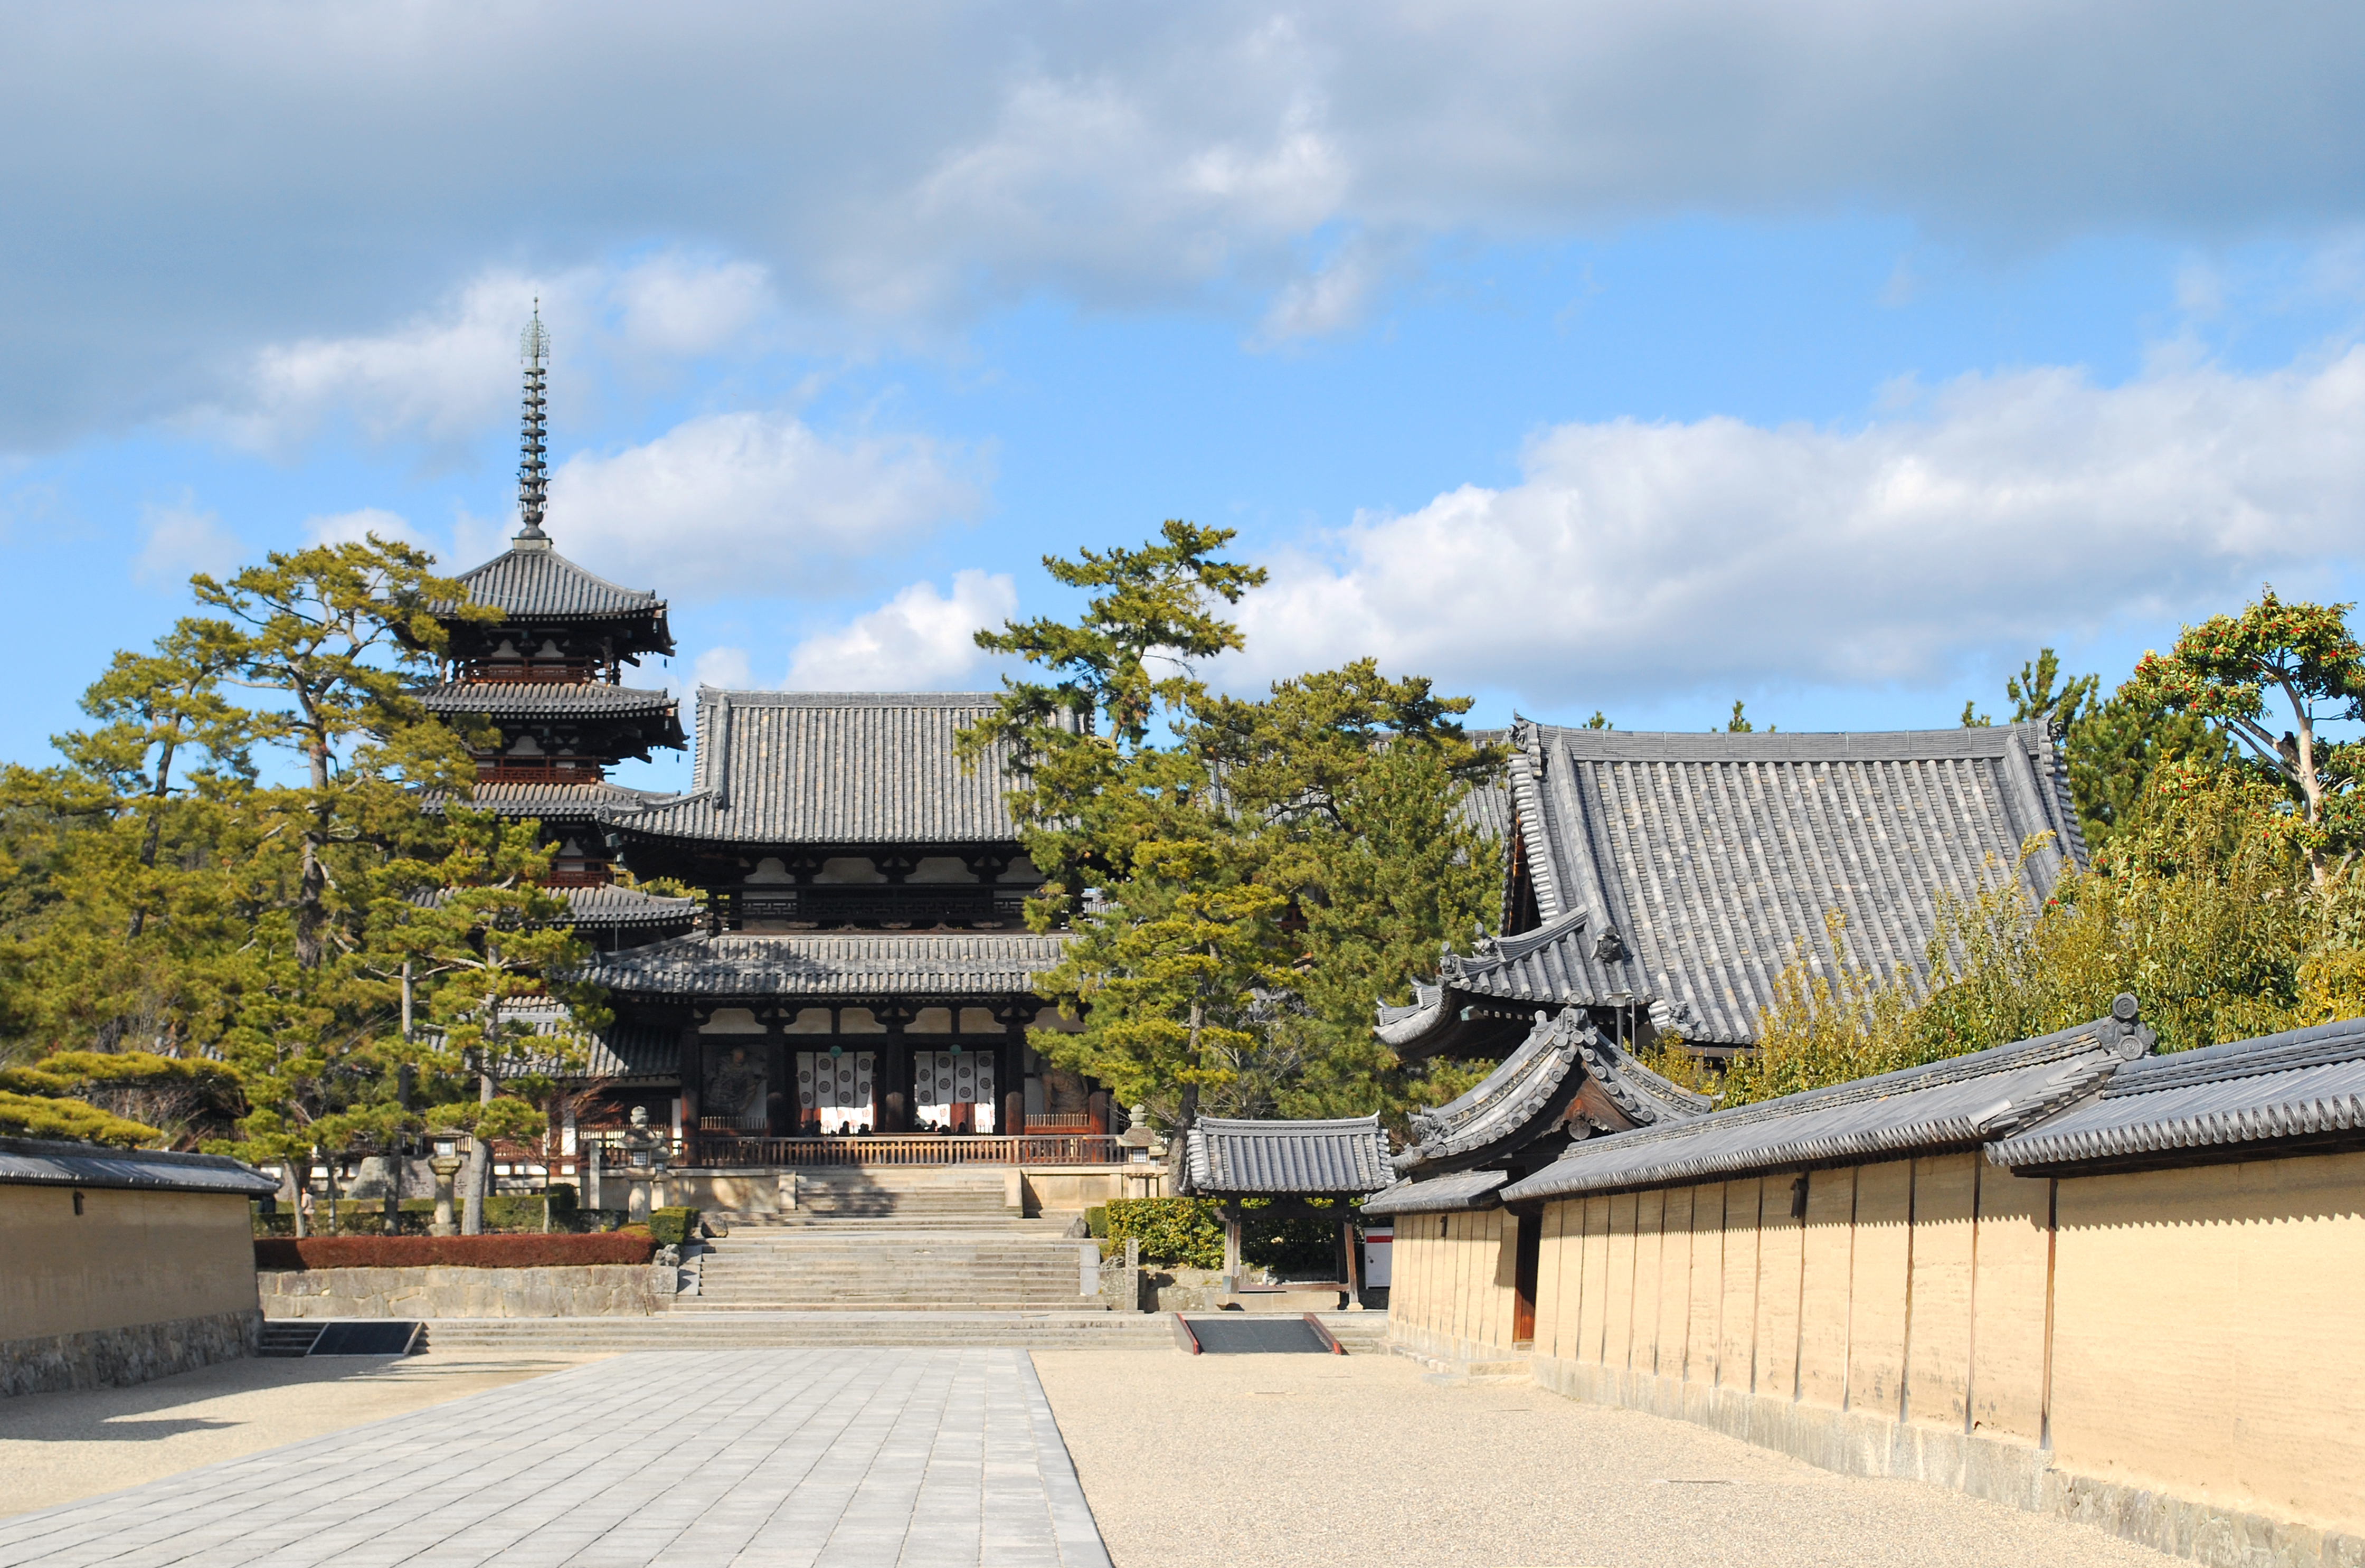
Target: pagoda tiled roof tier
x=539, y=699
x=857, y=768
x=607, y=907
x=540, y=583
x=1681, y=873
x=613, y=907
x=562, y=802
x=852, y=964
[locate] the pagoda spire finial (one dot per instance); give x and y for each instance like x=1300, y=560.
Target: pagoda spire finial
x=533, y=479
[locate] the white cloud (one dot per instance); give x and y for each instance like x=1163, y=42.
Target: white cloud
x=918, y=641
x=445, y=373
x=355, y=527
x=910, y=162
x=677, y=307
x=725, y=668
x=729, y=503
x=1655, y=559
x=178, y=541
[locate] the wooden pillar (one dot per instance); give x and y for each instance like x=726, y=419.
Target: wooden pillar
x=894, y=1074
x=1354, y=1274
x=693, y=1081
x=1010, y=1068
x=780, y=1084
x=1231, y=1247
x=1096, y=1109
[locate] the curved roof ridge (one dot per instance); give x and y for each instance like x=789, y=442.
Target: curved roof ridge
x=550, y=563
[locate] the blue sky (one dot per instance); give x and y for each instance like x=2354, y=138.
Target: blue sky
x=1829, y=355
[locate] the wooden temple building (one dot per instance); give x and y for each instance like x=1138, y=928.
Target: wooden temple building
x=1656, y=886
x=852, y=970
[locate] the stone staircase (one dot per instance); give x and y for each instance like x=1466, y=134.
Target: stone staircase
x=1361, y=1333
x=863, y=1239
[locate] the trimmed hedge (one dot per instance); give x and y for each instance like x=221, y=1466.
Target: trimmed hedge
x=673, y=1226
x=278, y=1253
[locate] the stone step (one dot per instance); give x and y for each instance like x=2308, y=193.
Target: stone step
x=288, y=1339
x=1359, y=1333
x=861, y=1302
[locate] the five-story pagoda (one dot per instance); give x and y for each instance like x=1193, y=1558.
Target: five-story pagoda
x=548, y=675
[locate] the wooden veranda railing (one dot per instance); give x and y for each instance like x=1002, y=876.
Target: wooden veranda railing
x=1030, y=1149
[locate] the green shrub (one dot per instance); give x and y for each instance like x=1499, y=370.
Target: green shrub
x=1188, y=1232
x=672, y=1227
x=1096, y=1221
x=1290, y=1249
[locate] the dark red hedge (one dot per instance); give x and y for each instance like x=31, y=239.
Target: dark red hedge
x=279, y=1253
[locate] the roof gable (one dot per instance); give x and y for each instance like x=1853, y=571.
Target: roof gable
x=1687, y=870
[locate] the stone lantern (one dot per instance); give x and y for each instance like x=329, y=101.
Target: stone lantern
x=644, y=1166
x=445, y=1162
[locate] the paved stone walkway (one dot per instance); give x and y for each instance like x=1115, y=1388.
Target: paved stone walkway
x=828, y=1457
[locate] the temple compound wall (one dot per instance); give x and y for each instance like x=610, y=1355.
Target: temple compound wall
x=2122, y=1313
x=109, y=1282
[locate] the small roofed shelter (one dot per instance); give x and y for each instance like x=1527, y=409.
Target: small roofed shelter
x=1291, y=1166
x=123, y=1264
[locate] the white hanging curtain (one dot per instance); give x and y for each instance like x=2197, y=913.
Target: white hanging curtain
x=837, y=1089
x=942, y=1079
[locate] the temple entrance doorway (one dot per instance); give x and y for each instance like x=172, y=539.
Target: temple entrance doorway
x=835, y=1093
x=952, y=1091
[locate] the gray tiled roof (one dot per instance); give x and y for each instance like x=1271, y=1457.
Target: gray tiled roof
x=836, y=768
x=2298, y=1090
x=542, y=584
x=1529, y=1093
x=1947, y=1105
x=1487, y=808
x=632, y=1050
x=546, y=699
x=832, y=963
x=566, y=802
x=613, y=907
x=608, y=907
x=47, y=1163
x=1227, y=1157
x=1508, y=1105
x=1687, y=870
x=1462, y=1190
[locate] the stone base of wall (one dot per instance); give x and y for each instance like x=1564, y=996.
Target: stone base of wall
x=117, y=1358
x=1428, y=1344
x=1854, y=1443
x=606, y=1290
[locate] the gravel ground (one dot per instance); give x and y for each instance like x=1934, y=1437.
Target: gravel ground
x=1226, y=1459
x=55, y=1448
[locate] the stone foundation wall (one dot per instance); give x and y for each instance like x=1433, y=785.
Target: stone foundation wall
x=117, y=1358
x=608, y=1290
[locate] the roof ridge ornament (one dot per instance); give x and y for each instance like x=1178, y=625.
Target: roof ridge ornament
x=533, y=478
